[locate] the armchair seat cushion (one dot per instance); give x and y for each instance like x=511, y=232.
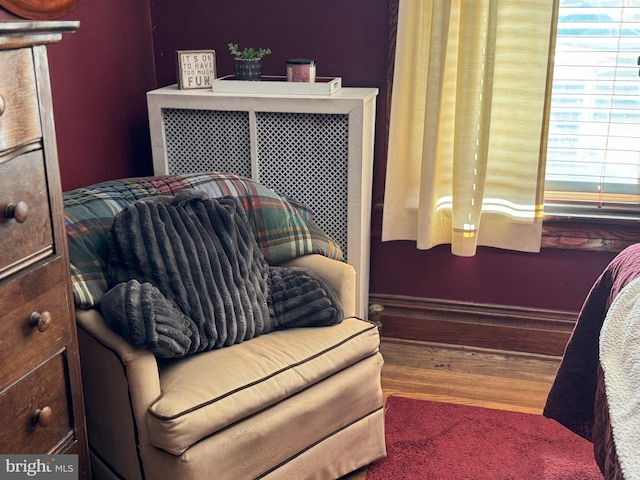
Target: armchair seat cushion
x=207, y=392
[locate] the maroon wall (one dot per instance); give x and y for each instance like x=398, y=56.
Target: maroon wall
x=99, y=76
x=346, y=38
x=553, y=279
x=349, y=39
x=101, y=73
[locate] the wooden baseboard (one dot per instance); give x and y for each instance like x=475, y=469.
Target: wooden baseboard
x=500, y=327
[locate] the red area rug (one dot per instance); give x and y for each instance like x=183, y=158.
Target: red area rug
x=431, y=440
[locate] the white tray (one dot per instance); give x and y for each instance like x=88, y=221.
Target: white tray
x=278, y=85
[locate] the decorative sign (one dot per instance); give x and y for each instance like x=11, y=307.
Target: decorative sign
x=196, y=68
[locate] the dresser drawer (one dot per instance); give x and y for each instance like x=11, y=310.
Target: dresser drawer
x=19, y=115
x=34, y=412
x=26, y=234
x=42, y=291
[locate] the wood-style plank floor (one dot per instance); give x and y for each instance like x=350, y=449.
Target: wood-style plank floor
x=486, y=378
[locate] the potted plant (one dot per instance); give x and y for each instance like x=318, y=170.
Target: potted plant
x=248, y=62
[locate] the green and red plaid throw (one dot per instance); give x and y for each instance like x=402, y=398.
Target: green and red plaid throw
x=284, y=228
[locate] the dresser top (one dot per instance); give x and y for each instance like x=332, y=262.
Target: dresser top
x=21, y=33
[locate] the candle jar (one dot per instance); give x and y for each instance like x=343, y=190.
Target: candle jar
x=301, y=70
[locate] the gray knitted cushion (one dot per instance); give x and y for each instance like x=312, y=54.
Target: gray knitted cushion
x=198, y=256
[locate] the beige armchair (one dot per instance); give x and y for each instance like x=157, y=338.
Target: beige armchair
x=295, y=403
x=292, y=404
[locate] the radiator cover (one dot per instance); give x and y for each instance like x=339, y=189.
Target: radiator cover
x=317, y=150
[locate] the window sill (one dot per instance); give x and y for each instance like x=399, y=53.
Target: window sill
x=596, y=235
x=569, y=233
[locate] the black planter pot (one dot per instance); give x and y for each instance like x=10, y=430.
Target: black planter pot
x=248, y=69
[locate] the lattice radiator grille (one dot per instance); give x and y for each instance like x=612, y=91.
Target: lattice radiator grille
x=207, y=140
x=301, y=155
x=305, y=156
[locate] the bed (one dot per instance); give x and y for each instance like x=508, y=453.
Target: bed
x=596, y=392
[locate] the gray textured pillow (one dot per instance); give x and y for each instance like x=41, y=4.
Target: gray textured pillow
x=198, y=256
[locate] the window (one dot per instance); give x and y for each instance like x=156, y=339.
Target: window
x=592, y=184
x=593, y=150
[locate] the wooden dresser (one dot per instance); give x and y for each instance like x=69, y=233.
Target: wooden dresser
x=41, y=403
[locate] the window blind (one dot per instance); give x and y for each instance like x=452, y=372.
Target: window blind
x=593, y=149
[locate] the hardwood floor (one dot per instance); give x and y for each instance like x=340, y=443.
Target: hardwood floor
x=487, y=378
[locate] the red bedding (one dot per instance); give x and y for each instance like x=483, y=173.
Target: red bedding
x=577, y=398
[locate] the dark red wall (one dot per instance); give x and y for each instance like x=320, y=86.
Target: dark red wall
x=346, y=38
x=101, y=73
x=99, y=76
x=349, y=39
x=553, y=279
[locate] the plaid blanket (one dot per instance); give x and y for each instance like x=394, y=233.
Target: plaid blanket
x=283, y=228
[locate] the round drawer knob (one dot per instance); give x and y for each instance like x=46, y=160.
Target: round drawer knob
x=41, y=321
x=2, y=104
x=43, y=416
x=18, y=211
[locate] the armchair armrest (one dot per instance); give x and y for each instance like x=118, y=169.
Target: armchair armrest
x=140, y=365
x=341, y=276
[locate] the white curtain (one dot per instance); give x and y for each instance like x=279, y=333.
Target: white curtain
x=465, y=164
